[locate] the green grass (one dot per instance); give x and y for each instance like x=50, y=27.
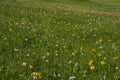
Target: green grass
x=59, y=40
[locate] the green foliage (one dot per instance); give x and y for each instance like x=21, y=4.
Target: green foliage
x=59, y=40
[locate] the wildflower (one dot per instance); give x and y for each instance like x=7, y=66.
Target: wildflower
x=16, y=50
x=115, y=58
x=101, y=47
x=73, y=54
x=56, y=54
x=81, y=48
x=71, y=77
x=69, y=62
x=24, y=64
x=94, y=35
x=105, y=58
x=48, y=54
x=83, y=39
x=76, y=64
x=19, y=62
x=37, y=75
x=59, y=75
x=30, y=66
x=116, y=67
x=104, y=77
x=92, y=67
x=21, y=75
x=93, y=50
x=27, y=55
x=10, y=30
x=102, y=62
x=46, y=60
x=100, y=40
x=90, y=62
x=16, y=23
x=82, y=54
x=99, y=54
x=109, y=40
x=64, y=46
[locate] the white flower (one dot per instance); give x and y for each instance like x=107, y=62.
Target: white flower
x=116, y=67
x=69, y=62
x=56, y=54
x=24, y=64
x=46, y=60
x=59, y=75
x=34, y=77
x=71, y=77
x=101, y=47
x=104, y=77
x=16, y=50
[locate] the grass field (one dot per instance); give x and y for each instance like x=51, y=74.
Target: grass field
x=59, y=39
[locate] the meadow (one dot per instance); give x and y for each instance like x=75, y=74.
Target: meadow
x=59, y=40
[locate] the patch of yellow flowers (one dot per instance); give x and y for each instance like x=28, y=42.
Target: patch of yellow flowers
x=92, y=67
x=37, y=74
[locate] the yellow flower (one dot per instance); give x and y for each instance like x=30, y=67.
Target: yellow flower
x=94, y=35
x=115, y=58
x=30, y=66
x=37, y=74
x=93, y=49
x=109, y=40
x=90, y=62
x=81, y=48
x=92, y=67
x=83, y=39
x=102, y=62
x=21, y=75
x=64, y=46
x=27, y=55
x=16, y=23
x=99, y=54
x=73, y=54
x=100, y=40
x=19, y=62
x=48, y=54
x=10, y=30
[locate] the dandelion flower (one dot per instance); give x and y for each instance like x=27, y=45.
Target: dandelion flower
x=30, y=66
x=64, y=46
x=48, y=54
x=94, y=35
x=93, y=50
x=100, y=40
x=99, y=54
x=10, y=30
x=73, y=54
x=27, y=55
x=37, y=74
x=92, y=67
x=90, y=62
x=102, y=62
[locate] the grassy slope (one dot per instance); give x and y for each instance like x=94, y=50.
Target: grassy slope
x=71, y=31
